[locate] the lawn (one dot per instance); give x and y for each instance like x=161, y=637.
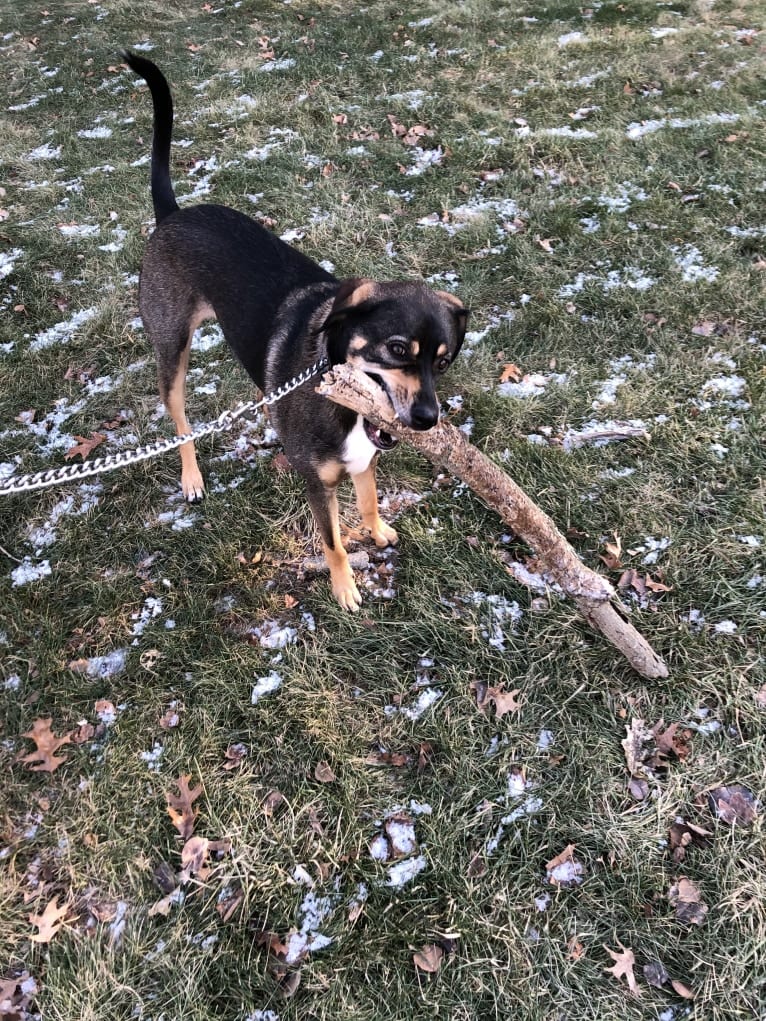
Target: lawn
x=371, y=830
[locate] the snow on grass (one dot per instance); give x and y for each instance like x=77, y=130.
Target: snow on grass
x=79, y=230
x=533, y=384
x=403, y=872
x=693, y=270
x=629, y=276
x=62, y=333
x=639, y=129
x=76, y=504
x=502, y=617
x=265, y=686
x=423, y=159
x=28, y=572
x=523, y=804
x=44, y=152
x=8, y=260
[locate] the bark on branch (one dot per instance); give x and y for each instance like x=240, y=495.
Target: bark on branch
x=446, y=446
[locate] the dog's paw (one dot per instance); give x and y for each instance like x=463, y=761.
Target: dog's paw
x=384, y=535
x=193, y=486
x=347, y=594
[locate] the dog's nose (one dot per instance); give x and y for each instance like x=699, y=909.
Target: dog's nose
x=424, y=417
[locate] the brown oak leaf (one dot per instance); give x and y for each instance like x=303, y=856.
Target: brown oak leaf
x=47, y=745
x=733, y=805
x=86, y=445
x=624, y=963
x=49, y=922
x=182, y=814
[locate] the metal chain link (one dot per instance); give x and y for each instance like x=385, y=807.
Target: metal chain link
x=224, y=422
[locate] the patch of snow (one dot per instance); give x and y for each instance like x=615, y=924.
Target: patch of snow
x=28, y=572
x=265, y=686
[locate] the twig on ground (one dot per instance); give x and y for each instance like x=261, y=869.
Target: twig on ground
x=447, y=446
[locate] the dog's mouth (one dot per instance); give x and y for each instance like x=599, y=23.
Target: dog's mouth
x=378, y=438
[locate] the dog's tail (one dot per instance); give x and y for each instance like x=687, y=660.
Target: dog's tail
x=163, y=196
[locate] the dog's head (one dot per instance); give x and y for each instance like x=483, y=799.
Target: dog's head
x=404, y=336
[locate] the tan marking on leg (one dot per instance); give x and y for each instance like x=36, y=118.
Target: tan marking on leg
x=341, y=577
x=367, y=502
x=192, y=483
x=331, y=472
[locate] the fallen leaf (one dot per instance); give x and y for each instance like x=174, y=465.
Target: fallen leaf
x=182, y=814
x=289, y=984
x=638, y=788
x=635, y=747
x=49, y=922
x=428, y=959
x=86, y=445
x=150, y=659
x=229, y=901
x=477, y=866
x=623, y=966
x=323, y=772
x=686, y=898
x=683, y=834
x=546, y=244
x=400, y=830
x=234, y=755
x=47, y=745
x=271, y=801
x=510, y=371
x=682, y=989
x=505, y=701
x=575, y=949
x=613, y=553
x=671, y=741
x=565, y=870
x=170, y=719
x=733, y=805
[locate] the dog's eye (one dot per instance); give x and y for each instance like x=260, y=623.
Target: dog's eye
x=398, y=349
x=442, y=365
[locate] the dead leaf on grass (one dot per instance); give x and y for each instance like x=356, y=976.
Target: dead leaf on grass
x=565, y=870
x=324, y=773
x=86, y=445
x=504, y=701
x=624, y=963
x=182, y=814
x=682, y=989
x=428, y=959
x=234, y=755
x=734, y=805
x=47, y=746
x=684, y=834
x=49, y=922
x=685, y=897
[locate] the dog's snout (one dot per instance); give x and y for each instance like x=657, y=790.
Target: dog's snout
x=424, y=416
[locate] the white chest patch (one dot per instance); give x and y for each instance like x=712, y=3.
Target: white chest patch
x=358, y=450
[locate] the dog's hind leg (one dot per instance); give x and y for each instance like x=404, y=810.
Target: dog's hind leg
x=172, y=351
x=367, y=502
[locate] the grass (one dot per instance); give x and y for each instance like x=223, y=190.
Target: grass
x=494, y=86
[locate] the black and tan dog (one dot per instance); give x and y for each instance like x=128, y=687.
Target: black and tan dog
x=280, y=312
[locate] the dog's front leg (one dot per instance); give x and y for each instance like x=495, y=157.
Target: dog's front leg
x=324, y=505
x=367, y=502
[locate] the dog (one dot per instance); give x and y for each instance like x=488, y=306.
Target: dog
x=279, y=312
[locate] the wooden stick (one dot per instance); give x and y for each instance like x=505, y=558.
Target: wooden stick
x=447, y=446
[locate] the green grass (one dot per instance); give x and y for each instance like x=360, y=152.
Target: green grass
x=494, y=83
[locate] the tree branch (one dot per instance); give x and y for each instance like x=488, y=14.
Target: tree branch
x=446, y=446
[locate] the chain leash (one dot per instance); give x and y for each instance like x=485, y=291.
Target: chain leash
x=224, y=422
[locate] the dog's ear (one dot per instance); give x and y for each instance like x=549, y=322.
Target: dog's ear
x=352, y=294
x=460, y=314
